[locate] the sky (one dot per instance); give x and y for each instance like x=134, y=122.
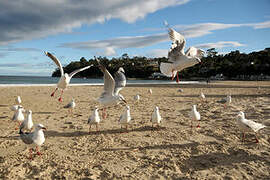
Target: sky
x=85, y=28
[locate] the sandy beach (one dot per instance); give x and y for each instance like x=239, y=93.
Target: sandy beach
x=173, y=151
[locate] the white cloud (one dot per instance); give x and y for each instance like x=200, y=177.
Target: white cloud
x=109, y=51
x=220, y=44
x=189, y=31
x=29, y=19
x=158, y=53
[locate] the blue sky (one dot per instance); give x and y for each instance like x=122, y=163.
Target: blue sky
x=83, y=28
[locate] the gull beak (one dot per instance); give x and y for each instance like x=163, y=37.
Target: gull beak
x=124, y=101
x=44, y=128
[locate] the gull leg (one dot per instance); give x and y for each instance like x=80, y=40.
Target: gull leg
x=257, y=140
x=30, y=153
x=126, y=128
x=97, y=128
x=243, y=137
x=18, y=126
x=89, y=130
x=177, y=78
x=38, y=153
x=173, y=74
x=54, y=92
x=191, y=123
x=60, y=98
x=104, y=114
x=198, y=126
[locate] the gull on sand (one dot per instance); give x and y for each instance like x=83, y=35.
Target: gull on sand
x=246, y=125
x=156, y=118
x=27, y=124
x=35, y=138
x=18, y=115
x=195, y=115
x=125, y=117
x=70, y=106
x=94, y=119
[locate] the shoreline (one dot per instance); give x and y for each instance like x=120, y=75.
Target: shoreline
x=182, y=84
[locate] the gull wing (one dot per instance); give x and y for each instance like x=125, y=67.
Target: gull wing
x=253, y=125
x=120, y=81
x=56, y=61
x=79, y=70
x=109, y=82
x=178, y=45
x=194, y=52
x=27, y=138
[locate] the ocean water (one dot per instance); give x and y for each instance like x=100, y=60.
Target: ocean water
x=35, y=80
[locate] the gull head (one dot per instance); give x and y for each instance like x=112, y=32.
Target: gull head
x=96, y=108
x=66, y=75
x=127, y=107
x=40, y=127
x=194, y=107
x=156, y=108
x=28, y=111
x=121, y=70
x=241, y=114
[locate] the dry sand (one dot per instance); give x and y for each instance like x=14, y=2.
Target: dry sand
x=214, y=151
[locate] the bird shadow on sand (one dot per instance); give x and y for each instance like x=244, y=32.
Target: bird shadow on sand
x=51, y=133
x=3, y=117
x=3, y=105
x=44, y=112
x=223, y=95
x=192, y=145
x=10, y=137
x=216, y=159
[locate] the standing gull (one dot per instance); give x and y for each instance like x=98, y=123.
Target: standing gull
x=94, y=119
x=226, y=101
x=125, y=118
x=178, y=59
x=195, y=115
x=246, y=125
x=111, y=95
x=156, y=118
x=35, y=138
x=137, y=97
x=202, y=96
x=18, y=115
x=70, y=106
x=18, y=100
x=150, y=91
x=65, y=78
x=27, y=124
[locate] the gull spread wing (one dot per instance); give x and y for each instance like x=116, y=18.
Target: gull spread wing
x=194, y=52
x=178, y=45
x=79, y=70
x=56, y=61
x=120, y=81
x=109, y=82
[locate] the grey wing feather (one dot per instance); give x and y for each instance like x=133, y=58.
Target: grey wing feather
x=178, y=45
x=79, y=70
x=120, y=81
x=68, y=105
x=27, y=138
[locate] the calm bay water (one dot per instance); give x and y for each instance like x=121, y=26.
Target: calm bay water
x=28, y=80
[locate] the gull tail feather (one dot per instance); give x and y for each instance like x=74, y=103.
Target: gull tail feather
x=166, y=69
